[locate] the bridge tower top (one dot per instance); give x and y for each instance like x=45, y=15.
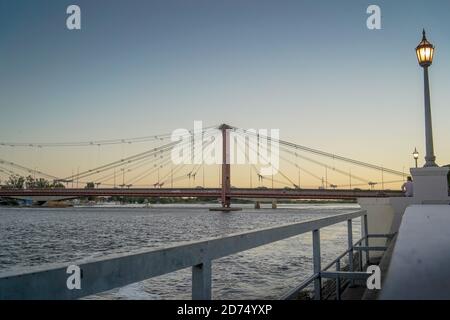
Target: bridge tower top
x=225, y=126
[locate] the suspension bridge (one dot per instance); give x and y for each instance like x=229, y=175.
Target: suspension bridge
x=302, y=173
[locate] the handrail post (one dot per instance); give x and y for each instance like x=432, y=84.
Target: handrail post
x=350, y=246
x=366, y=239
x=201, y=281
x=316, y=265
x=338, y=281
x=360, y=253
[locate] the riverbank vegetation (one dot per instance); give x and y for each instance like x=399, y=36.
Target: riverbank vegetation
x=20, y=182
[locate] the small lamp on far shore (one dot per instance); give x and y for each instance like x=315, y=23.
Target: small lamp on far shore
x=416, y=155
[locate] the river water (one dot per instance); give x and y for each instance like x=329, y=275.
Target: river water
x=36, y=236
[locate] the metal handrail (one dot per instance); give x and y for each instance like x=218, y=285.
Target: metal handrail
x=118, y=270
x=350, y=275
x=293, y=293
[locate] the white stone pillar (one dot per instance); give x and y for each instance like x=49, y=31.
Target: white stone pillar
x=430, y=183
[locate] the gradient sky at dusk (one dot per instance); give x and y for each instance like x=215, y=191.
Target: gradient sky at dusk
x=310, y=68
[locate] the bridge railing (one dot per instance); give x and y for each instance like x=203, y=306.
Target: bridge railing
x=119, y=270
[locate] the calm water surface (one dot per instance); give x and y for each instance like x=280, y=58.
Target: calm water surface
x=35, y=236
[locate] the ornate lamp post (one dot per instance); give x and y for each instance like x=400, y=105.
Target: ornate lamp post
x=425, y=53
x=416, y=155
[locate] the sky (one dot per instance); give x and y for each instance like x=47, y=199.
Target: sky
x=309, y=68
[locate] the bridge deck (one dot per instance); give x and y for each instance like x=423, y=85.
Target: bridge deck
x=202, y=193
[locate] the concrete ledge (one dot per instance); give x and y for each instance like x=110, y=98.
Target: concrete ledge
x=429, y=171
x=420, y=264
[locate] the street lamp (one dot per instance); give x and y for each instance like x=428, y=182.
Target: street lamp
x=416, y=155
x=425, y=53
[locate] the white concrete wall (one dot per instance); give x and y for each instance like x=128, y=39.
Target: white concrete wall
x=420, y=263
x=430, y=183
x=380, y=215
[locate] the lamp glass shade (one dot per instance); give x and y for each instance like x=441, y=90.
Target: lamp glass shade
x=425, y=52
x=425, y=55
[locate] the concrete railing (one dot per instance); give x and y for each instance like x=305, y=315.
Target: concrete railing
x=119, y=270
x=419, y=267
